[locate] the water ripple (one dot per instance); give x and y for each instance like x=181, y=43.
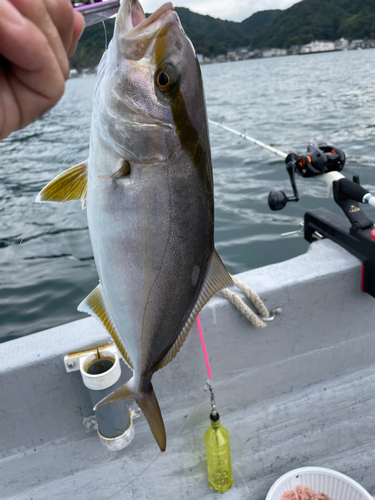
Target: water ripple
x=46, y=276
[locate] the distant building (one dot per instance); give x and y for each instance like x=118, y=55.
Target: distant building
x=255, y=54
x=200, y=58
x=317, y=47
x=73, y=73
x=232, y=56
x=274, y=52
x=355, y=44
x=362, y=44
x=294, y=50
x=341, y=44
x=244, y=54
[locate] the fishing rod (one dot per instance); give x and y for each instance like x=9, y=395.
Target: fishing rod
x=251, y=139
x=96, y=12
x=324, y=163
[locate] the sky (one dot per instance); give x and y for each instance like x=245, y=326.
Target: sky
x=233, y=10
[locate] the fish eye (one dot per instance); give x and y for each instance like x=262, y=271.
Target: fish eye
x=163, y=79
x=166, y=79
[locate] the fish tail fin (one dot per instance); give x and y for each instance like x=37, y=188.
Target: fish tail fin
x=148, y=403
x=145, y=397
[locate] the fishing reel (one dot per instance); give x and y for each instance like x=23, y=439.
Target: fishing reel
x=320, y=159
x=356, y=233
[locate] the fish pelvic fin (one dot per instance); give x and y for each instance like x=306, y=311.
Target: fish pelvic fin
x=67, y=186
x=145, y=397
x=94, y=304
x=217, y=278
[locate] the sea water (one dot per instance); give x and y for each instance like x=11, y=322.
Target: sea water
x=46, y=261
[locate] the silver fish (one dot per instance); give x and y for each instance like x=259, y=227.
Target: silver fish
x=149, y=193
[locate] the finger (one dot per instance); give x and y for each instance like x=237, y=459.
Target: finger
x=36, y=12
x=22, y=44
x=79, y=26
x=62, y=15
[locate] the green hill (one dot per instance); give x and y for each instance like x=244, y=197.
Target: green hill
x=209, y=35
x=319, y=20
x=303, y=22
x=259, y=22
x=212, y=36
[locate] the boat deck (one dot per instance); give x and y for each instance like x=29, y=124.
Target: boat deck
x=299, y=392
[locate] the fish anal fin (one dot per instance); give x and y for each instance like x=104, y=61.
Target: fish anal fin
x=217, y=278
x=95, y=306
x=69, y=185
x=123, y=392
x=145, y=397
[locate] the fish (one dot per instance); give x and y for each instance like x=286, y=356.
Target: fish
x=148, y=189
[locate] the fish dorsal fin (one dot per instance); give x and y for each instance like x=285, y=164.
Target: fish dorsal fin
x=217, y=277
x=95, y=306
x=67, y=186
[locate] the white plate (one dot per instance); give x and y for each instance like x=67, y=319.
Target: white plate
x=334, y=484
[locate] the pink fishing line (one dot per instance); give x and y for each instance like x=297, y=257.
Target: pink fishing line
x=204, y=348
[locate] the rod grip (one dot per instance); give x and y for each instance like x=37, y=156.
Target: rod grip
x=351, y=190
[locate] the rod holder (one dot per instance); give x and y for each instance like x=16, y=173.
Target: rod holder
x=100, y=369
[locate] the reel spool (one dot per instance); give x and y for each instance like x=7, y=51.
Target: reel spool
x=320, y=159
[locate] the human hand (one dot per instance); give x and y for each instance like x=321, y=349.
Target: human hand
x=36, y=39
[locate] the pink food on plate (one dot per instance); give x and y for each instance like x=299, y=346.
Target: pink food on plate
x=303, y=492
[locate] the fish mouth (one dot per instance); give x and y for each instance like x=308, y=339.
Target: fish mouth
x=131, y=19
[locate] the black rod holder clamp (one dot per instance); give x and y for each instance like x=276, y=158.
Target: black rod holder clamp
x=347, y=194
x=360, y=242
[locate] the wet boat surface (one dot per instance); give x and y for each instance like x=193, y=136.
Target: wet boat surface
x=299, y=392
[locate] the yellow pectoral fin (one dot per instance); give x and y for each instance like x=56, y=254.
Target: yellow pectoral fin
x=69, y=185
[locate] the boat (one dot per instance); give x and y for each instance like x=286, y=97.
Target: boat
x=298, y=392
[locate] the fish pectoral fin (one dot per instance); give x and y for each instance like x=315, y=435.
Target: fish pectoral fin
x=216, y=279
x=146, y=399
x=94, y=305
x=67, y=186
x=123, y=171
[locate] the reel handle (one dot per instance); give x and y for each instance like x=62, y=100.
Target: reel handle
x=277, y=200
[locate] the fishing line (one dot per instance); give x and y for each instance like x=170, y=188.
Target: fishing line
x=16, y=248
x=204, y=348
x=105, y=35
x=23, y=236
x=244, y=135
x=161, y=453
x=191, y=413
